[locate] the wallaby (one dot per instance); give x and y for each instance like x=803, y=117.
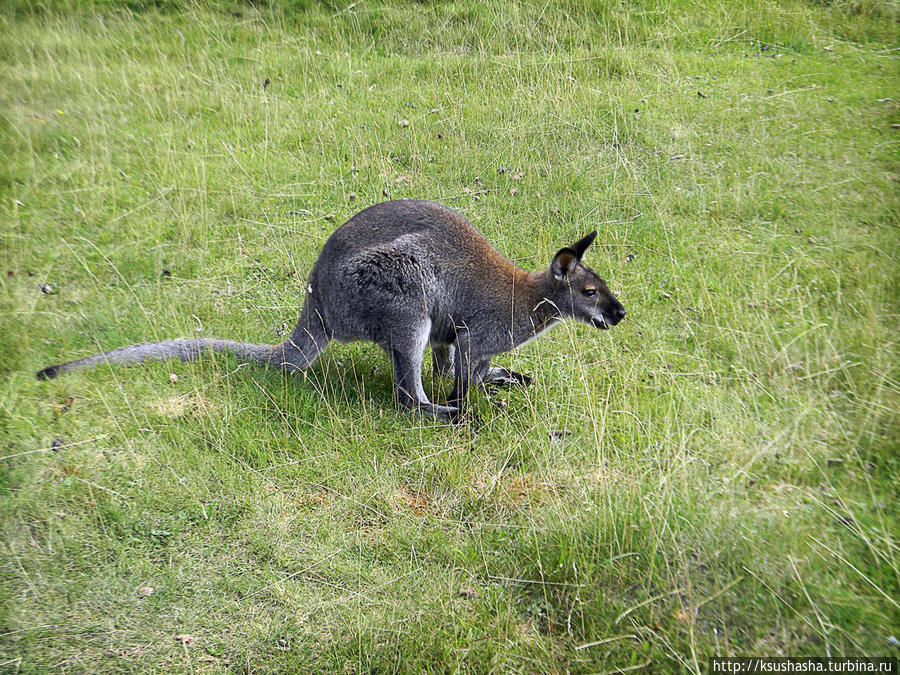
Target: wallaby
x=408, y=274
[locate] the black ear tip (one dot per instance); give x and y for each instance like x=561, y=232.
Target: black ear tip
x=582, y=244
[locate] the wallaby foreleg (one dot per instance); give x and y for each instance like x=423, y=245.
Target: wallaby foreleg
x=466, y=370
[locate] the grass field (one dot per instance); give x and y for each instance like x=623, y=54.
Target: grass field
x=715, y=476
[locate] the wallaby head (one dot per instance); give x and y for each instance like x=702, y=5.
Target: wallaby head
x=579, y=292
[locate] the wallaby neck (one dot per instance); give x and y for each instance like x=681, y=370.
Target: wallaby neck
x=534, y=312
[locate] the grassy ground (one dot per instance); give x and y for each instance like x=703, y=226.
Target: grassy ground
x=715, y=476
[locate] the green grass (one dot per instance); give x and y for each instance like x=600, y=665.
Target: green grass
x=725, y=482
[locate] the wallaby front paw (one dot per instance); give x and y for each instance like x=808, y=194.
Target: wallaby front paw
x=521, y=379
x=501, y=377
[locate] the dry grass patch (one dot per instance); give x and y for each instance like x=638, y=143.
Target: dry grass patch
x=192, y=404
x=415, y=500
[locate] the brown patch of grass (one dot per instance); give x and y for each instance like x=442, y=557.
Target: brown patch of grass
x=535, y=488
x=529, y=488
x=192, y=404
x=310, y=499
x=417, y=501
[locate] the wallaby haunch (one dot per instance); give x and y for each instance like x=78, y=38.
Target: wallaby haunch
x=406, y=275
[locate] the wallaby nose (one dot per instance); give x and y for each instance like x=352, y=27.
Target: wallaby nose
x=618, y=313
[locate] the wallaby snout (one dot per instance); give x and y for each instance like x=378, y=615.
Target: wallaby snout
x=617, y=312
x=613, y=311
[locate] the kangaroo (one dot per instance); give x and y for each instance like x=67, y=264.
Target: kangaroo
x=405, y=275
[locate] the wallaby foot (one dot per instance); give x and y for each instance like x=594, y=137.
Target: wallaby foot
x=497, y=376
x=447, y=414
x=442, y=413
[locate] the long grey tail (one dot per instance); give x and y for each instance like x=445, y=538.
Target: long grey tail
x=299, y=351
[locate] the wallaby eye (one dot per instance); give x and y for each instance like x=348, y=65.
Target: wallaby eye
x=590, y=292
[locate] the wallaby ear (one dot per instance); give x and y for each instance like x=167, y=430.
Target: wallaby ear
x=581, y=245
x=563, y=262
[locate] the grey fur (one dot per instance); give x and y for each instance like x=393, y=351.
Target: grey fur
x=406, y=275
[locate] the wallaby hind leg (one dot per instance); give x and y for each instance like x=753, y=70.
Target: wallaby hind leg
x=406, y=353
x=442, y=356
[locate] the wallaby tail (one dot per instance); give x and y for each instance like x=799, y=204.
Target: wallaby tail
x=309, y=337
x=186, y=349
x=296, y=353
